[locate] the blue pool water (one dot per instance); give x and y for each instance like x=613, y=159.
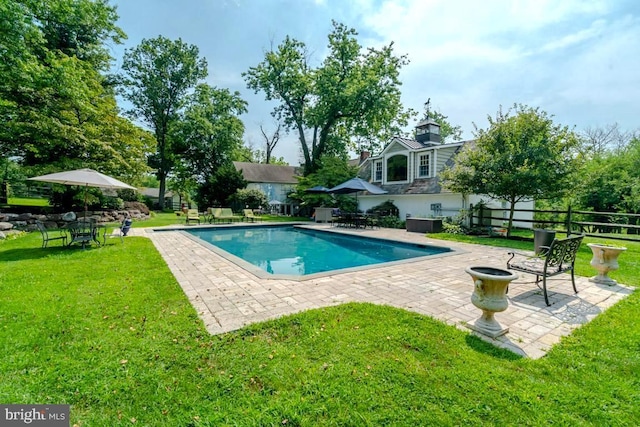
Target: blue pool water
x=296, y=251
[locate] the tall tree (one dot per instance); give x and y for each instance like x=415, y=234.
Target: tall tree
x=522, y=156
x=57, y=109
x=270, y=142
x=610, y=181
x=597, y=141
x=207, y=135
x=353, y=93
x=79, y=28
x=158, y=75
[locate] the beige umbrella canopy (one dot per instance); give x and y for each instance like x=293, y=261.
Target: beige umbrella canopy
x=85, y=178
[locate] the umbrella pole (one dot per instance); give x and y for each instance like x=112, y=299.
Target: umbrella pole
x=85, y=201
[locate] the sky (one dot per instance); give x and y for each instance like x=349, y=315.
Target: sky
x=578, y=60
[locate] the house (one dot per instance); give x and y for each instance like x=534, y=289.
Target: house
x=171, y=200
x=275, y=181
x=408, y=169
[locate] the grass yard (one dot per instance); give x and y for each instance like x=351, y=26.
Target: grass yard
x=159, y=219
x=23, y=201
x=110, y=332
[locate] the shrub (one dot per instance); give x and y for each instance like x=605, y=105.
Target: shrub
x=386, y=209
x=112, y=203
x=391, y=222
x=248, y=198
x=452, y=228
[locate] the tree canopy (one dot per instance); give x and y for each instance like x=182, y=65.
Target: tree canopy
x=157, y=76
x=207, y=135
x=57, y=107
x=610, y=177
x=354, y=93
x=522, y=156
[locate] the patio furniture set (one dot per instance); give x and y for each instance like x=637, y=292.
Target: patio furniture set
x=82, y=232
x=491, y=285
x=220, y=215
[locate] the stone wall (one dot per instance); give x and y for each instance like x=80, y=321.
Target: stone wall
x=11, y=222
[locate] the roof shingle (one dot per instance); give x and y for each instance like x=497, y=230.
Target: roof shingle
x=259, y=172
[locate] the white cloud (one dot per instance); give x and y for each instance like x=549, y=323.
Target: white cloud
x=437, y=30
x=575, y=59
x=595, y=30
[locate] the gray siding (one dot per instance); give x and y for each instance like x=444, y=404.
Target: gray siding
x=444, y=154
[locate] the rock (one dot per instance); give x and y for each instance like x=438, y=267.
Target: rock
x=5, y=226
x=69, y=216
x=2, y=236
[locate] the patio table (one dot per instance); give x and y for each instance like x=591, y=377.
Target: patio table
x=86, y=232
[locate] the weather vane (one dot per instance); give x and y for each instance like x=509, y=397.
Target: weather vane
x=427, y=105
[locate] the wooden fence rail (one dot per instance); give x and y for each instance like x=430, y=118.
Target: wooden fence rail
x=612, y=225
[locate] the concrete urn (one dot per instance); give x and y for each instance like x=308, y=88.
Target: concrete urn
x=490, y=296
x=605, y=259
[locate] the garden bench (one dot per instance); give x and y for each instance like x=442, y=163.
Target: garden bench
x=223, y=214
x=559, y=257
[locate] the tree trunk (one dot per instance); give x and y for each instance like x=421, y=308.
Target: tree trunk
x=511, y=213
x=163, y=181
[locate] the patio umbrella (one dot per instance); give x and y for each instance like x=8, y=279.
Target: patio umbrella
x=355, y=185
x=275, y=205
x=85, y=178
x=318, y=189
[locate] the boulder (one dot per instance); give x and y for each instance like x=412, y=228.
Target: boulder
x=24, y=217
x=69, y=216
x=5, y=226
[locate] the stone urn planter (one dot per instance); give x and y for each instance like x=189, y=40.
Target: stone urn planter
x=490, y=296
x=605, y=259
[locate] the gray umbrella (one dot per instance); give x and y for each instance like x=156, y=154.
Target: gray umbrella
x=318, y=189
x=354, y=185
x=85, y=178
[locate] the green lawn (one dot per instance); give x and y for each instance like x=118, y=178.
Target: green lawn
x=159, y=219
x=110, y=332
x=23, y=201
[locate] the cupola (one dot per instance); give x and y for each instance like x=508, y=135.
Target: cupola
x=428, y=131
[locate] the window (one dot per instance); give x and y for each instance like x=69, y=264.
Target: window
x=423, y=165
x=397, y=168
x=378, y=171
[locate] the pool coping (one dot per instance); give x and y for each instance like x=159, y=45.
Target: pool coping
x=258, y=272
x=227, y=297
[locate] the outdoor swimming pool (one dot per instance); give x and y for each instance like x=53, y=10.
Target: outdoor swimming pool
x=297, y=251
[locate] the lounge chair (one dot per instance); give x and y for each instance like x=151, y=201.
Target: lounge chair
x=249, y=216
x=209, y=215
x=224, y=214
x=192, y=215
x=48, y=235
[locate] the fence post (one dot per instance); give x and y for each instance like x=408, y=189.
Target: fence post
x=471, y=215
x=569, y=221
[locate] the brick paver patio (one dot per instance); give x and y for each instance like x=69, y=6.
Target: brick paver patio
x=228, y=297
